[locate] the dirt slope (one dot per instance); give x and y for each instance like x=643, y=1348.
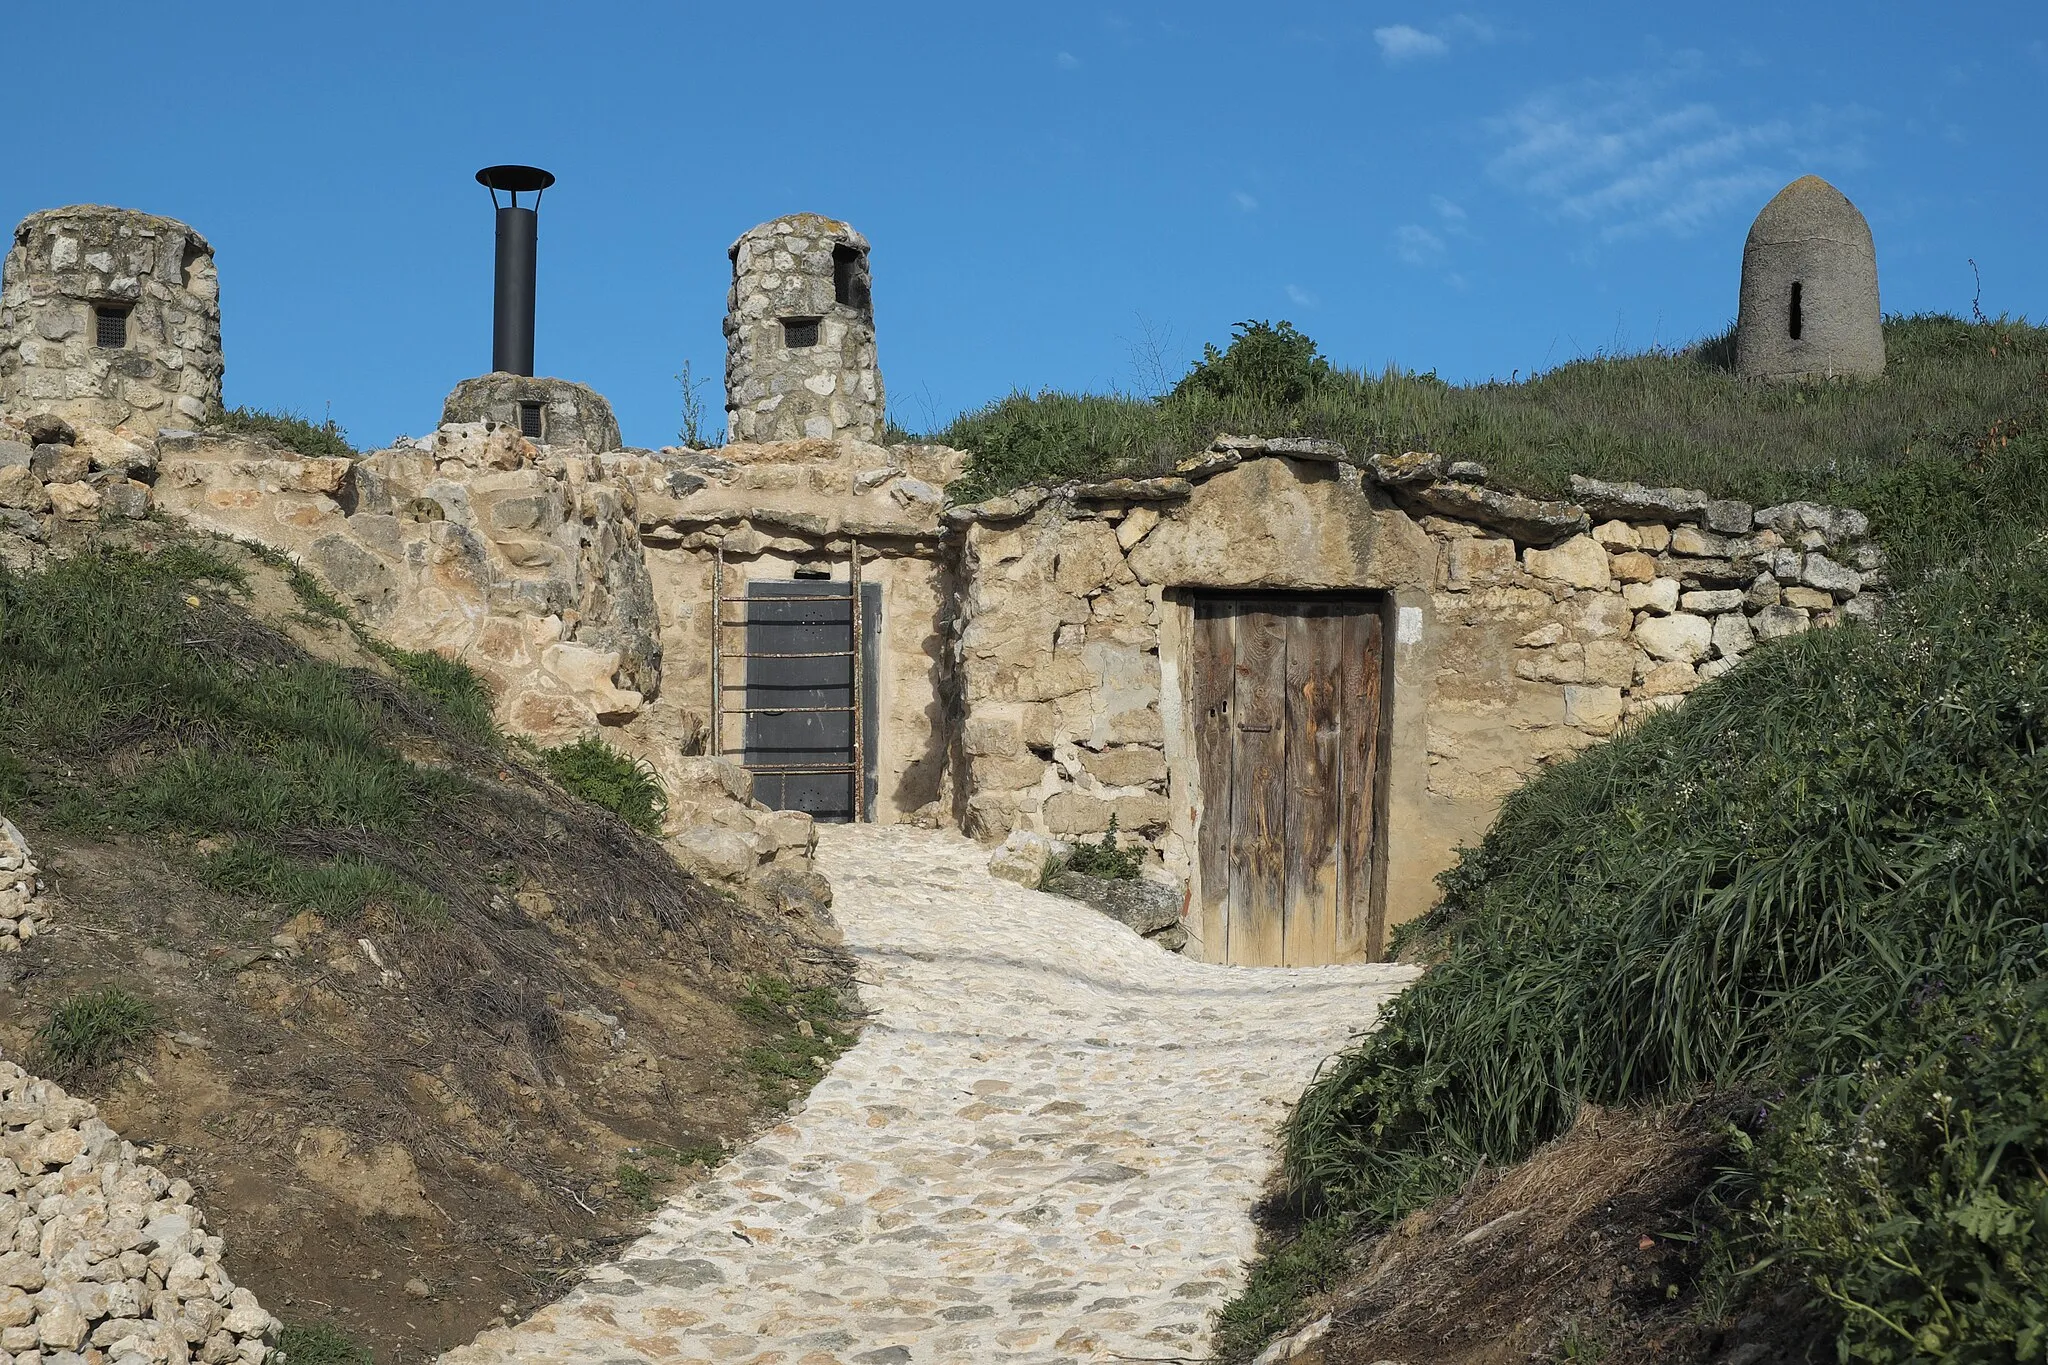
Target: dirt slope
x=412, y=1126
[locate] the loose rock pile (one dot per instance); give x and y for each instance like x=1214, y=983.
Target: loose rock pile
x=24, y=911
x=103, y=1259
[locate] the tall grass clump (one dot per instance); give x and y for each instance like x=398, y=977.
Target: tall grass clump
x=601, y=775
x=290, y=429
x=1771, y=889
x=1662, y=417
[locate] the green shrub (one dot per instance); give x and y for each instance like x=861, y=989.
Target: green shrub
x=289, y=429
x=1272, y=366
x=87, y=1032
x=461, y=692
x=1912, y=1192
x=316, y=1343
x=603, y=776
x=1104, y=859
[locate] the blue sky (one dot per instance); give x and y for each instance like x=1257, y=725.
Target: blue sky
x=1060, y=195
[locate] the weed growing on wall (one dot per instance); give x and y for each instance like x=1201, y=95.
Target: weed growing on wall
x=289, y=429
x=603, y=776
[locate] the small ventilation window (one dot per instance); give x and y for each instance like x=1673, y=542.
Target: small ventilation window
x=850, y=278
x=799, y=332
x=110, y=327
x=1796, y=323
x=529, y=421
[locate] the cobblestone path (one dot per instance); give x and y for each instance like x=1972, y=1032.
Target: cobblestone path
x=1044, y=1148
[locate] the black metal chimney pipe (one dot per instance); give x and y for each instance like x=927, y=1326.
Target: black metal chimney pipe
x=518, y=265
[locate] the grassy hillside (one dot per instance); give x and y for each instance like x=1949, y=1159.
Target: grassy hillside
x=1819, y=891
x=1669, y=417
x=409, y=1005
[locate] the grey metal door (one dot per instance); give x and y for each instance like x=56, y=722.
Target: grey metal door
x=800, y=696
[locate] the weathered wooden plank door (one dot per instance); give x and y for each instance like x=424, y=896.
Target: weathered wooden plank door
x=1286, y=695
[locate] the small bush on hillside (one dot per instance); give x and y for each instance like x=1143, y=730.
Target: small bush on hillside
x=1912, y=1192
x=90, y=1031
x=289, y=429
x=603, y=776
x=1264, y=364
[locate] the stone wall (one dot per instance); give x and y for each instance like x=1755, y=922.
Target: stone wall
x=1523, y=630
x=67, y=266
x=800, y=334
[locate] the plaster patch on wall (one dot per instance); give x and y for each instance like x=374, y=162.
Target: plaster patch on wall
x=1408, y=626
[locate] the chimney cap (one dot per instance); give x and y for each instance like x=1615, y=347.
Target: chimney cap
x=517, y=179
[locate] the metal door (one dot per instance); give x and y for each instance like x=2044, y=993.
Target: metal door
x=801, y=707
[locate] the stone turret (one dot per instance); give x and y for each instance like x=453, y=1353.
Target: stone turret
x=110, y=317
x=549, y=411
x=1809, y=289
x=800, y=334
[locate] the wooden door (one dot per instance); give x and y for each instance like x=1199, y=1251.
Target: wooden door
x=1286, y=693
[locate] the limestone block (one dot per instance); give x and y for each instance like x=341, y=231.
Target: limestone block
x=1728, y=516
x=1775, y=622
x=1634, y=502
x=74, y=501
x=1692, y=541
x=1864, y=609
x=20, y=488
x=1707, y=601
x=1133, y=765
x=1478, y=563
x=1668, y=679
x=1813, y=599
x=1763, y=592
x=1732, y=634
x=125, y=498
x=1617, y=537
x=1593, y=708
x=992, y=736
x=1821, y=572
x=588, y=673
x=60, y=464
x=15, y=454
x=1022, y=858
x=1136, y=527
x=1681, y=637
x=1579, y=562
x=1632, y=566
x=1598, y=616
x=1659, y=596
x=1656, y=537
x=1073, y=812
x=1611, y=663
x=715, y=853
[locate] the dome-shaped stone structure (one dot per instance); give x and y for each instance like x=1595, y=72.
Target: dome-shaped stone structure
x=1809, y=289
x=800, y=333
x=110, y=316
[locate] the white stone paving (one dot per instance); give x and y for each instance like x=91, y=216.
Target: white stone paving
x=1044, y=1147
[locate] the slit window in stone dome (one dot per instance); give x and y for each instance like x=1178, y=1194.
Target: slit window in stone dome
x=799, y=332
x=530, y=421
x=1796, y=323
x=850, y=277
x=110, y=327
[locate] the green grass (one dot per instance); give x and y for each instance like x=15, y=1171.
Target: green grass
x=1311, y=1260
x=290, y=429
x=788, y=1056
x=316, y=1343
x=1763, y=891
x=339, y=890
x=135, y=697
x=636, y=1185
x=87, y=1032
x=1662, y=417
x=603, y=776
x=1104, y=859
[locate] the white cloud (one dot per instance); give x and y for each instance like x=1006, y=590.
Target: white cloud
x=1067, y=61
x=1630, y=157
x=1245, y=202
x=1404, y=42
x=1417, y=245
x=1301, y=298
x=1446, y=210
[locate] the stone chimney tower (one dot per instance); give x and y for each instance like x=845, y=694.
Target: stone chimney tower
x=110, y=316
x=800, y=334
x=1809, y=289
